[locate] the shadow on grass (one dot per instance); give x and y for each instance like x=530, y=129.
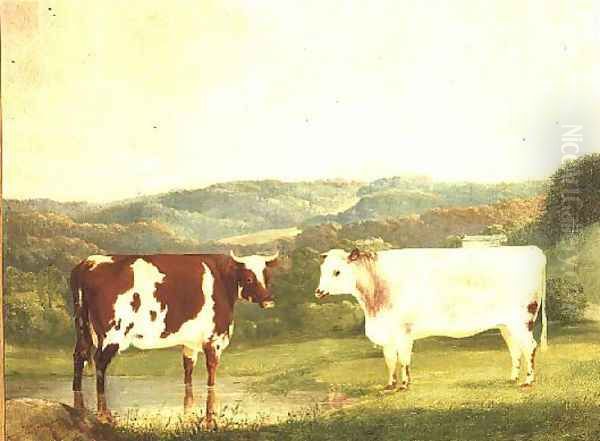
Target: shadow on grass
x=494, y=384
x=538, y=421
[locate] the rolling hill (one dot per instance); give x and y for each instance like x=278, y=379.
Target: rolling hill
x=401, y=196
x=234, y=208
x=246, y=207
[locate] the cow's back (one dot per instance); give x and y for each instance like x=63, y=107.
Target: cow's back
x=464, y=288
x=472, y=269
x=168, y=290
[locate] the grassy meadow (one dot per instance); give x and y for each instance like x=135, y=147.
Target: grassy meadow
x=460, y=388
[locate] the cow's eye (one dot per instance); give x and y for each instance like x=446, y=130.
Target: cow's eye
x=336, y=273
x=249, y=280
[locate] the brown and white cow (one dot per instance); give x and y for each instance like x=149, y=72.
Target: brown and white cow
x=410, y=294
x=158, y=301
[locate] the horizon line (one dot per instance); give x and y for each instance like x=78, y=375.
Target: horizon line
x=124, y=199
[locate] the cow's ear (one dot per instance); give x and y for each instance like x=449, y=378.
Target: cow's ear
x=354, y=255
x=323, y=256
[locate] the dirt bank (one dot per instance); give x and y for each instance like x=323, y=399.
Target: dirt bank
x=42, y=420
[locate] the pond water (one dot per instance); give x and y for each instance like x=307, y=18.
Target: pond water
x=140, y=398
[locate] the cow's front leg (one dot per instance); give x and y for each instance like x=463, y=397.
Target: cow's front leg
x=390, y=353
x=189, y=361
x=212, y=362
x=210, y=422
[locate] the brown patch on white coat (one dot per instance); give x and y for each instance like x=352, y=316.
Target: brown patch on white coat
x=374, y=291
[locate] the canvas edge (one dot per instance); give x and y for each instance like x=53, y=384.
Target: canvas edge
x=2, y=359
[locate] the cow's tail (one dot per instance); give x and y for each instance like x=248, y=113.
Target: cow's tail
x=544, y=335
x=84, y=341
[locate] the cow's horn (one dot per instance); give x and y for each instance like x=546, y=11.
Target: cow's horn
x=234, y=257
x=272, y=257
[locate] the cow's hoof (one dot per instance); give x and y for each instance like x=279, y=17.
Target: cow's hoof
x=389, y=388
x=526, y=385
x=209, y=424
x=403, y=387
x=78, y=401
x=106, y=417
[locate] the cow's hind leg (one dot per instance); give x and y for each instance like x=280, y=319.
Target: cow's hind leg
x=81, y=354
x=102, y=359
x=528, y=346
x=189, y=361
x=390, y=353
x=82, y=351
x=404, y=357
x=515, y=353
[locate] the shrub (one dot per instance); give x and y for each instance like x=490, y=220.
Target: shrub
x=23, y=315
x=268, y=328
x=335, y=316
x=566, y=300
x=453, y=241
x=245, y=330
x=28, y=321
x=587, y=263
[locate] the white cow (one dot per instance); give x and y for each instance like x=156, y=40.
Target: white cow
x=410, y=294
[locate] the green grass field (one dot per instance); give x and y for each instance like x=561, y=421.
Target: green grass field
x=460, y=388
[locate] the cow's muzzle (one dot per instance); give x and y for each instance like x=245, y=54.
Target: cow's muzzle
x=267, y=304
x=319, y=293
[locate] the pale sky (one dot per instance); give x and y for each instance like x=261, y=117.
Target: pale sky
x=107, y=100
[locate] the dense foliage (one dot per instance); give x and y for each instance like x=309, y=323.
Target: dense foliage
x=38, y=306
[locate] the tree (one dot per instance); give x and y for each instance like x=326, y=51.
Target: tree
x=573, y=198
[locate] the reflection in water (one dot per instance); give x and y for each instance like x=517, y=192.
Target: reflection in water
x=137, y=399
x=210, y=413
x=188, y=399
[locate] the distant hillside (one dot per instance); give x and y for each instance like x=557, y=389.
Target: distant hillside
x=72, y=209
x=246, y=207
x=400, y=196
x=429, y=229
x=234, y=208
x=35, y=240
